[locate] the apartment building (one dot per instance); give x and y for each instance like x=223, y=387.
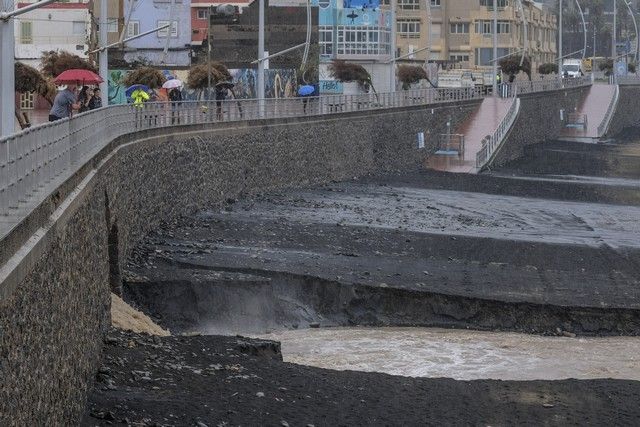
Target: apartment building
x=170, y=46
x=55, y=26
x=461, y=30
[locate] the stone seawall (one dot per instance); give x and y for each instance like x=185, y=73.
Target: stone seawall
x=538, y=121
x=627, y=113
x=58, y=266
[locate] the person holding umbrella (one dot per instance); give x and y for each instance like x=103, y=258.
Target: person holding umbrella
x=305, y=92
x=64, y=104
x=65, y=101
x=175, y=96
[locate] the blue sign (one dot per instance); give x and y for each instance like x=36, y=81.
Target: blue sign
x=361, y=4
x=621, y=68
x=331, y=86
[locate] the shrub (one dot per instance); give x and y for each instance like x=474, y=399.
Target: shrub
x=147, y=76
x=199, y=75
x=510, y=65
x=55, y=62
x=548, y=68
x=28, y=79
x=410, y=74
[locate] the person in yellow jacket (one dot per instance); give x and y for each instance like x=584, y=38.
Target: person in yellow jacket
x=139, y=97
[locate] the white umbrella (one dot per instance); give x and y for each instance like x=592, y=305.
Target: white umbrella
x=172, y=84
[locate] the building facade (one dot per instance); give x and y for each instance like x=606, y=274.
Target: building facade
x=357, y=31
x=200, y=17
x=461, y=30
x=168, y=47
x=56, y=26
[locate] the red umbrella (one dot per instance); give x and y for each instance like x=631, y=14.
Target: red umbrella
x=78, y=75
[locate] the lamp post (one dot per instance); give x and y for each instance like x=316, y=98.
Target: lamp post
x=635, y=27
x=260, y=79
x=103, y=61
x=560, y=41
x=7, y=98
x=495, y=48
x=392, y=70
x=7, y=53
x=614, y=52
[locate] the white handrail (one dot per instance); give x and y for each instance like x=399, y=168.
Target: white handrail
x=491, y=143
x=603, y=127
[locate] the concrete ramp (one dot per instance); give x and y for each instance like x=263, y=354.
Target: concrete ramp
x=484, y=121
x=597, y=107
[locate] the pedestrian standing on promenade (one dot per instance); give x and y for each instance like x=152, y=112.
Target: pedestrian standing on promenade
x=221, y=95
x=64, y=104
x=83, y=99
x=175, y=96
x=95, y=101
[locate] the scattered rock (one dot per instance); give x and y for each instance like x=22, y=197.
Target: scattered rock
x=260, y=394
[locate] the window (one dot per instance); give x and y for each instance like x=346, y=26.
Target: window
x=459, y=56
x=326, y=40
x=363, y=40
x=79, y=27
x=436, y=31
x=485, y=26
x=459, y=28
x=133, y=29
x=435, y=3
x=112, y=25
x=27, y=101
x=489, y=4
x=409, y=28
x=165, y=31
x=203, y=14
x=484, y=55
x=409, y=4
x=26, y=33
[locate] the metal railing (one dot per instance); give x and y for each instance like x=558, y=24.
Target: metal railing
x=36, y=160
x=490, y=143
x=450, y=143
x=577, y=120
x=606, y=120
x=551, y=83
x=624, y=80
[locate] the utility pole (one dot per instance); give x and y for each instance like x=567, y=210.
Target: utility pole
x=260, y=91
x=495, y=48
x=560, y=41
x=104, y=54
x=394, y=28
x=7, y=53
x=429, y=42
x=614, y=35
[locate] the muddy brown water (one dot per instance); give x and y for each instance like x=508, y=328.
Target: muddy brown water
x=460, y=354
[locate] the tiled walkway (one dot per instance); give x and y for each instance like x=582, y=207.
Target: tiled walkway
x=482, y=122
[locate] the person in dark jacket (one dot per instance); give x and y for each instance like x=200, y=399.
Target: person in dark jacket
x=175, y=97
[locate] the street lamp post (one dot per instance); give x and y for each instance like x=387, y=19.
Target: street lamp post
x=495, y=48
x=7, y=53
x=635, y=27
x=392, y=65
x=103, y=56
x=260, y=94
x=7, y=98
x=560, y=41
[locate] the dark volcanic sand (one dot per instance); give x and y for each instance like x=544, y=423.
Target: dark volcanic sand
x=538, y=253
x=185, y=380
